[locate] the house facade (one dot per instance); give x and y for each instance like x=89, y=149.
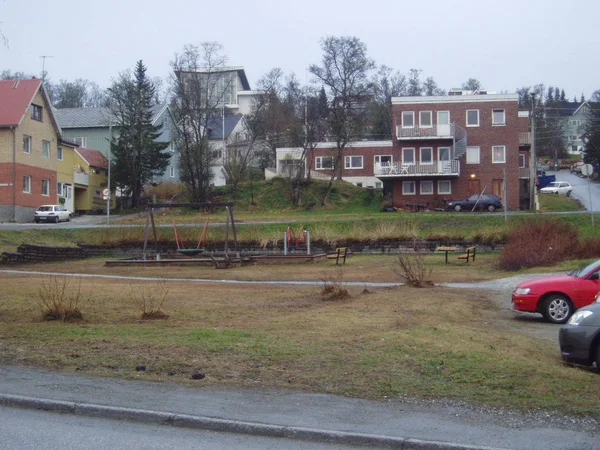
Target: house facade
x=29, y=135
x=92, y=128
x=443, y=148
x=575, y=116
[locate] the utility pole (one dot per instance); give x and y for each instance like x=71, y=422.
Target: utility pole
x=44, y=66
x=532, y=159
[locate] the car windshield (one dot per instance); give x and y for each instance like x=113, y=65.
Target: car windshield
x=553, y=184
x=578, y=273
x=45, y=208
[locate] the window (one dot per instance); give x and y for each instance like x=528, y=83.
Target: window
x=166, y=120
x=324, y=162
x=358, y=184
x=408, y=188
x=426, y=187
x=426, y=155
x=59, y=153
x=408, y=119
x=472, y=155
x=26, y=144
x=81, y=141
x=216, y=154
x=572, y=137
x=498, y=117
x=383, y=159
x=36, y=112
x=498, y=154
x=444, y=153
x=59, y=190
x=425, y=120
x=353, y=162
x=45, y=187
x=46, y=149
x=378, y=185
x=443, y=117
x=27, y=184
x=472, y=117
x=172, y=172
x=521, y=161
x=408, y=156
x=172, y=147
x=444, y=187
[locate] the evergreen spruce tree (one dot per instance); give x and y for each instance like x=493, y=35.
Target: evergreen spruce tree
x=137, y=157
x=563, y=96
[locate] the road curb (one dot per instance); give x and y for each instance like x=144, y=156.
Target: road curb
x=230, y=426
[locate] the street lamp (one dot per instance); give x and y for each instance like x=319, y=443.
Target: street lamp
x=588, y=169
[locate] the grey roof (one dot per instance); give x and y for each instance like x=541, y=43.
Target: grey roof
x=215, y=127
x=91, y=117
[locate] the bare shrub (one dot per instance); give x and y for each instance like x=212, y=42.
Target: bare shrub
x=588, y=248
x=59, y=301
x=333, y=288
x=539, y=242
x=411, y=269
x=150, y=300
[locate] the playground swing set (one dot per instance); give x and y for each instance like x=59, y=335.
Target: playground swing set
x=200, y=247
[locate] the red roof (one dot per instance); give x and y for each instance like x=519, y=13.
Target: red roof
x=94, y=158
x=15, y=98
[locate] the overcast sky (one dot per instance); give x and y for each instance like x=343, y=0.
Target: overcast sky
x=504, y=44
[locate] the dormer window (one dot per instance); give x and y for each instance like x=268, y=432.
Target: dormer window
x=36, y=112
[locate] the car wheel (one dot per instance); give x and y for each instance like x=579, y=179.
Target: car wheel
x=556, y=192
x=56, y=219
x=457, y=208
x=557, y=309
x=68, y=218
x=491, y=208
x=36, y=220
x=568, y=193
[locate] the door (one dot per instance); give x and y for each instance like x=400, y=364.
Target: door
x=443, y=123
x=474, y=187
x=68, y=195
x=498, y=188
x=444, y=165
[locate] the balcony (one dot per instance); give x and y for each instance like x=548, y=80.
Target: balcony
x=524, y=172
x=524, y=139
x=438, y=168
x=422, y=133
x=81, y=178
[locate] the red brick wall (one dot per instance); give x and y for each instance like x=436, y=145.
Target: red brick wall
x=35, y=198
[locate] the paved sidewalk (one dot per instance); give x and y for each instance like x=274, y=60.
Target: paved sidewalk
x=321, y=417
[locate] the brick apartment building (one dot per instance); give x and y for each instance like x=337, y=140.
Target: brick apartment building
x=443, y=148
x=29, y=138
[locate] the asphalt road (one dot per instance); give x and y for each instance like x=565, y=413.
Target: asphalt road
x=26, y=429
x=581, y=189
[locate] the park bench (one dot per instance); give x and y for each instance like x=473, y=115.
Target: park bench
x=470, y=254
x=340, y=254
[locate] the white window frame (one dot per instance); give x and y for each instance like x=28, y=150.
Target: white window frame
x=27, y=184
x=472, y=161
x=438, y=117
x=499, y=124
x=494, y=147
x=59, y=188
x=45, y=187
x=377, y=159
x=46, y=149
x=82, y=141
x=319, y=163
x=412, y=150
x=522, y=161
x=59, y=153
x=421, y=119
x=378, y=185
x=349, y=161
x=421, y=155
x=27, y=139
x=409, y=183
x=426, y=183
x=449, y=149
x=172, y=172
x=467, y=118
x=410, y=113
x=440, y=191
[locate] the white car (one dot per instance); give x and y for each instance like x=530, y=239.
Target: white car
x=557, y=187
x=52, y=213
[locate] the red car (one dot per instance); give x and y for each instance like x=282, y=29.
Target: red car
x=556, y=297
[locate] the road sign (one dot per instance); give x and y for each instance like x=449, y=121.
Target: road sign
x=587, y=170
x=106, y=192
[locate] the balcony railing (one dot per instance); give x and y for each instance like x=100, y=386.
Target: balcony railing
x=432, y=132
x=524, y=172
x=525, y=138
x=81, y=178
x=438, y=168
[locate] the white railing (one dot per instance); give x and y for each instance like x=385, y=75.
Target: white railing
x=81, y=178
x=438, y=168
x=525, y=138
x=432, y=132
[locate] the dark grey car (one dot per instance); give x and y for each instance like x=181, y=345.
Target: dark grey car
x=481, y=202
x=579, y=339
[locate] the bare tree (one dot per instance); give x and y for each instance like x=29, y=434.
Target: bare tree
x=472, y=84
x=431, y=88
x=343, y=72
x=414, y=83
x=200, y=84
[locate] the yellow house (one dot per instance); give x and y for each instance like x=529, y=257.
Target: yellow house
x=90, y=179
x=67, y=161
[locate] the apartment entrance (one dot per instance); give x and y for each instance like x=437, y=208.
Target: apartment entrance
x=498, y=188
x=474, y=187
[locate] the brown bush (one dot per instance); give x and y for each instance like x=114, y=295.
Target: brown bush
x=411, y=269
x=333, y=288
x=539, y=242
x=150, y=300
x=59, y=302
x=588, y=248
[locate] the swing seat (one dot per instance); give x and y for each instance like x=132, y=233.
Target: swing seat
x=190, y=251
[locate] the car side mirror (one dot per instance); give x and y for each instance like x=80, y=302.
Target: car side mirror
x=594, y=276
